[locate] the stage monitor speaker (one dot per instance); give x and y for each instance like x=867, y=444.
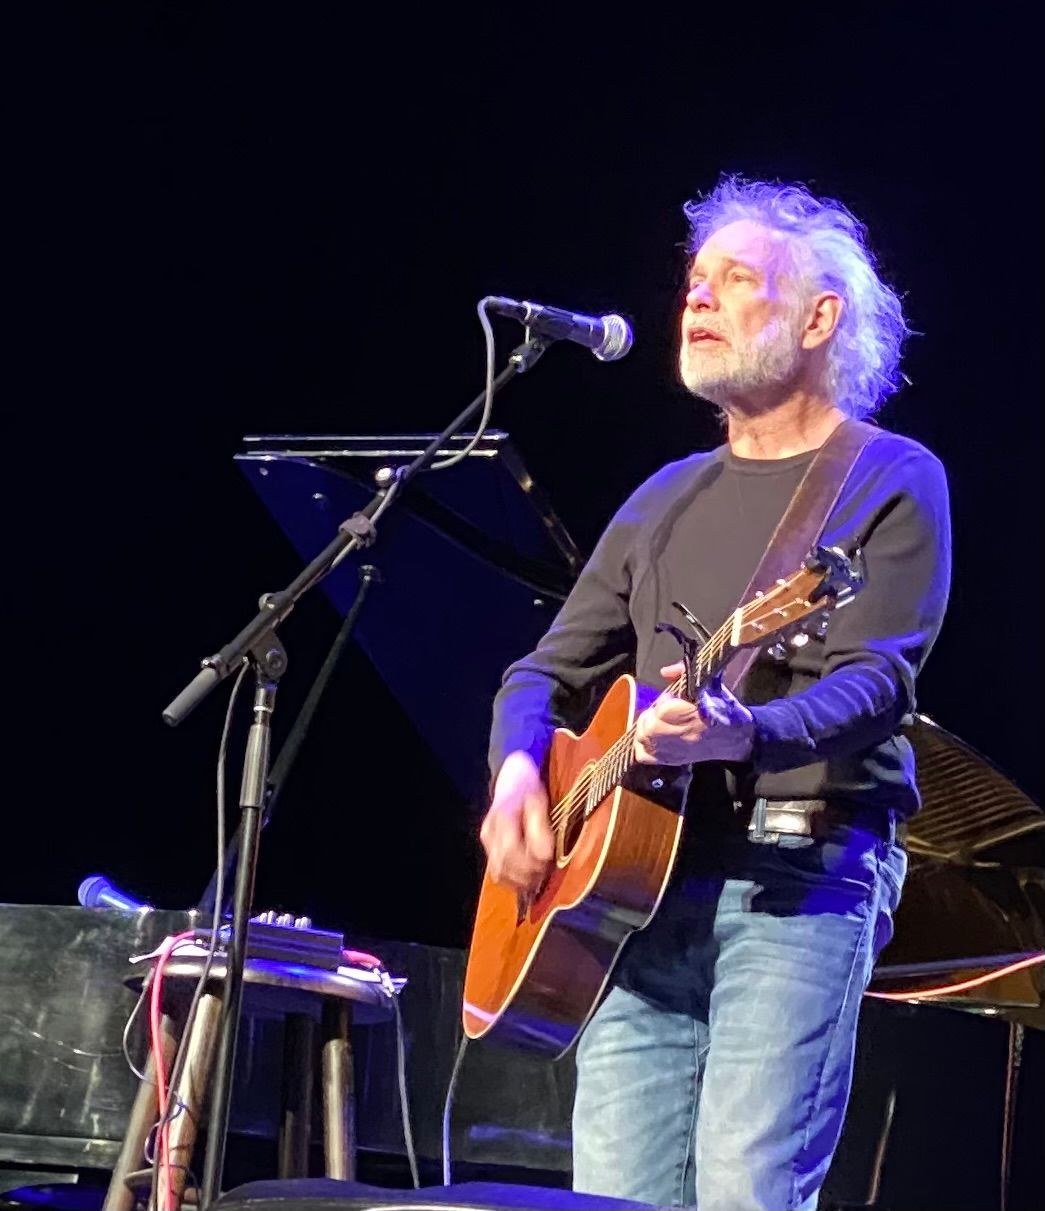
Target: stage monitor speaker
x=326, y=1194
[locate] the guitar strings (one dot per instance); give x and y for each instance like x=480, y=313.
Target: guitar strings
x=576, y=798
x=620, y=752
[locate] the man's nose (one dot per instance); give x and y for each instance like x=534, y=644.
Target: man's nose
x=701, y=297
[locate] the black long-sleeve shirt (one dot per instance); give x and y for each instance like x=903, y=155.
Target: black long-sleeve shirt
x=827, y=721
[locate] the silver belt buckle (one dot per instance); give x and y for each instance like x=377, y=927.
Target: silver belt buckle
x=756, y=829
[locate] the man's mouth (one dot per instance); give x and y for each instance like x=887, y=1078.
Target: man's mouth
x=703, y=336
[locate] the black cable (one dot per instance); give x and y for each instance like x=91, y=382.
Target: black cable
x=455, y=1073
x=404, y=1101
x=125, y=1038
x=484, y=420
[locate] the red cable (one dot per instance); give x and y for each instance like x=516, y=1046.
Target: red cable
x=944, y=989
x=361, y=958
x=161, y=1141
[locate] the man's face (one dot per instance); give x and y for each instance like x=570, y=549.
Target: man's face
x=741, y=326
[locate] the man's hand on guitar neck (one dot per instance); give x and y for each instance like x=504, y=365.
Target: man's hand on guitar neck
x=672, y=731
x=516, y=835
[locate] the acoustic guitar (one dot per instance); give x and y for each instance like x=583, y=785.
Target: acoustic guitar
x=537, y=966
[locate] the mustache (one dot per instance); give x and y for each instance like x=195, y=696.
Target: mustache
x=722, y=331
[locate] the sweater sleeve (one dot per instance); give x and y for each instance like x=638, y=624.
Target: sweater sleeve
x=591, y=641
x=875, y=644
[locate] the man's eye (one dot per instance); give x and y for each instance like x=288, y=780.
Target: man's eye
x=737, y=276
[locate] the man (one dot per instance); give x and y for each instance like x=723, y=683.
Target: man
x=718, y=1065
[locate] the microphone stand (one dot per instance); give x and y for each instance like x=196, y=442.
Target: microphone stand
x=259, y=645
x=284, y=763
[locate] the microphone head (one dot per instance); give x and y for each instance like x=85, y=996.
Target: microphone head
x=97, y=892
x=616, y=340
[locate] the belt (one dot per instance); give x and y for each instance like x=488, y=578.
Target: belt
x=767, y=820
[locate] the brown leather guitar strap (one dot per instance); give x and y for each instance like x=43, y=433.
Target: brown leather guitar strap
x=804, y=521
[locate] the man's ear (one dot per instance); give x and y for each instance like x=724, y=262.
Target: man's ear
x=822, y=319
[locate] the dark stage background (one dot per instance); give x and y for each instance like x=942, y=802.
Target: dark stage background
x=253, y=219
x=279, y=219
x=259, y=219
x=250, y=218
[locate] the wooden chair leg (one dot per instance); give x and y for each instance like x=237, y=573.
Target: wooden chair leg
x=120, y=1196
x=201, y=1038
x=295, y=1134
x=339, y=1128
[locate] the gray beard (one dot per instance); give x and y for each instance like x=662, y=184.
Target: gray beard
x=749, y=366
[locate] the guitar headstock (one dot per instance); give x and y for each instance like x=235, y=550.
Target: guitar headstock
x=801, y=602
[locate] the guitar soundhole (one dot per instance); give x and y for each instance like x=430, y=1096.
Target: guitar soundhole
x=569, y=835
x=568, y=830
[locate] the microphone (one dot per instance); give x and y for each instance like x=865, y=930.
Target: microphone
x=608, y=336
x=97, y=892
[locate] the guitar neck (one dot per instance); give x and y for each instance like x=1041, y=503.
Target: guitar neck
x=619, y=758
x=825, y=581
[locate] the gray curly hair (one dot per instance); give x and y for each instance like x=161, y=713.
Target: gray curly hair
x=829, y=246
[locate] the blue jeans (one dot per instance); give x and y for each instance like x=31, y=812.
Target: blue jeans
x=717, y=1068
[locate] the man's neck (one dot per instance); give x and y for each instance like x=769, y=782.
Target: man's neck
x=794, y=425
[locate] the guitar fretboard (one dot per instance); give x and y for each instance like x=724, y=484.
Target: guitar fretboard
x=827, y=582
x=619, y=758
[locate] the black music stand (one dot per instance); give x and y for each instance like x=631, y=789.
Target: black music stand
x=475, y=564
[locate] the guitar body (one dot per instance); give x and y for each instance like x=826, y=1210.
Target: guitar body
x=536, y=972
x=537, y=969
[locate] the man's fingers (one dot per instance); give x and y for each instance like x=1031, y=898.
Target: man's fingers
x=669, y=717
x=674, y=711
x=666, y=732
x=519, y=842
x=537, y=831
x=499, y=846
x=644, y=753
x=672, y=672
x=500, y=829
x=519, y=870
